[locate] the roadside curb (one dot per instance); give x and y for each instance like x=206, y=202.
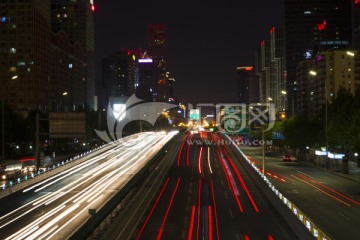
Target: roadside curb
x=337, y=174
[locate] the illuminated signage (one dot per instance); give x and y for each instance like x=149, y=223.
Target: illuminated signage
x=145, y=60
x=322, y=26
x=357, y=1
x=245, y=68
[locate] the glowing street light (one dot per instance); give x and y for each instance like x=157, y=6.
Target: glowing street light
x=283, y=92
x=313, y=73
x=350, y=53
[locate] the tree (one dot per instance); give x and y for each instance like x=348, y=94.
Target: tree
x=299, y=133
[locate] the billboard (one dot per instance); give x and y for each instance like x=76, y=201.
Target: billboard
x=67, y=125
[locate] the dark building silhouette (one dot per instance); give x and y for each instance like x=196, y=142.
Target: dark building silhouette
x=76, y=19
x=119, y=74
x=25, y=47
x=310, y=27
x=157, y=50
x=146, y=88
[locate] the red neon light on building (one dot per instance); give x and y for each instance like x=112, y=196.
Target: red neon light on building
x=92, y=7
x=262, y=42
x=248, y=68
x=273, y=29
x=322, y=26
x=357, y=1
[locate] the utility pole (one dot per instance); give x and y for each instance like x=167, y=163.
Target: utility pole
x=37, y=142
x=263, y=150
x=2, y=122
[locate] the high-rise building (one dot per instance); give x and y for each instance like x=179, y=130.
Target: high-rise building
x=76, y=19
x=157, y=47
x=313, y=26
x=245, y=75
x=277, y=89
x=146, y=88
x=258, y=73
x=119, y=73
x=356, y=21
x=306, y=88
x=68, y=72
x=25, y=53
x=321, y=78
x=265, y=69
x=171, y=89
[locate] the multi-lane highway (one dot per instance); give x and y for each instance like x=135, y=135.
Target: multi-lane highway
x=56, y=207
x=208, y=194
x=330, y=200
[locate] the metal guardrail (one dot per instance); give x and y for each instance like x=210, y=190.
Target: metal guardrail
x=40, y=175
x=305, y=220
x=92, y=222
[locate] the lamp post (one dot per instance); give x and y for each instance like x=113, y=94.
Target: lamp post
x=2, y=123
x=3, y=118
x=263, y=139
x=314, y=74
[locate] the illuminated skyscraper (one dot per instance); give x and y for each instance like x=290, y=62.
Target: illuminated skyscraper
x=312, y=26
x=357, y=25
x=76, y=19
x=25, y=52
x=157, y=42
x=118, y=73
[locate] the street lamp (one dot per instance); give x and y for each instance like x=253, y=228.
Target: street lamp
x=263, y=140
x=313, y=73
x=352, y=54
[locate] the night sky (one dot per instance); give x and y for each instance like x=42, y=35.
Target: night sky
x=207, y=39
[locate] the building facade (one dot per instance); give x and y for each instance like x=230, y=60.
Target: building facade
x=147, y=89
x=306, y=88
x=25, y=53
x=119, y=74
x=157, y=50
x=76, y=19
x=320, y=79
x=244, y=76
x=356, y=22
x=314, y=26
x=67, y=90
x=277, y=89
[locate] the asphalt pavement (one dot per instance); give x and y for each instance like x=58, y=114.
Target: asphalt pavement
x=331, y=199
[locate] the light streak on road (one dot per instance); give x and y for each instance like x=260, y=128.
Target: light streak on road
x=168, y=210
x=329, y=189
x=332, y=196
x=192, y=219
x=68, y=202
x=210, y=234
x=208, y=158
x=242, y=182
x=200, y=162
x=215, y=211
x=152, y=209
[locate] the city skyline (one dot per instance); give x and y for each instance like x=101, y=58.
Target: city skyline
x=195, y=44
